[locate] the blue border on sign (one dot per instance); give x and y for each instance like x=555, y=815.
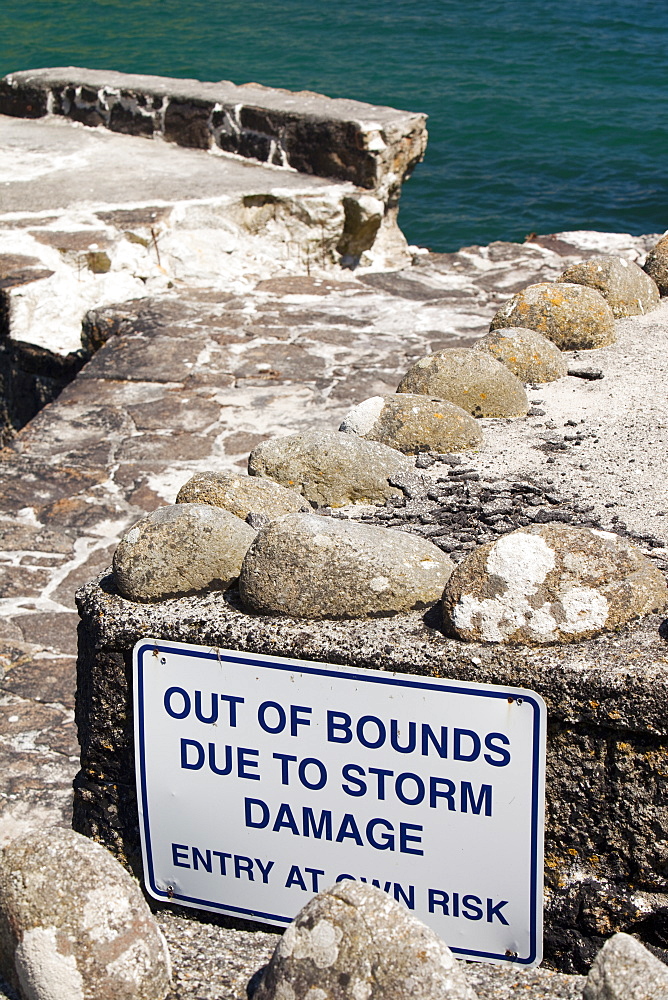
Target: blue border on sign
x=275, y=663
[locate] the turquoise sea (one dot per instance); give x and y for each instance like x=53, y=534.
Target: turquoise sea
x=545, y=115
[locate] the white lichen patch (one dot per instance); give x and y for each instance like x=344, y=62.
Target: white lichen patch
x=286, y=945
x=379, y=583
x=585, y=609
x=362, y=418
x=133, y=965
x=44, y=972
x=105, y=913
x=321, y=943
x=521, y=562
x=518, y=566
x=361, y=990
x=609, y=536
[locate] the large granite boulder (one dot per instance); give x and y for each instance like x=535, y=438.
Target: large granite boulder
x=656, y=265
x=625, y=286
x=574, y=317
x=473, y=380
x=354, y=942
x=526, y=353
x=74, y=924
x=550, y=583
x=181, y=549
x=412, y=423
x=241, y=495
x=625, y=970
x=329, y=468
x=308, y=566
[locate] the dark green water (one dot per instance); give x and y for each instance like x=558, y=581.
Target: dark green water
x=545, y=115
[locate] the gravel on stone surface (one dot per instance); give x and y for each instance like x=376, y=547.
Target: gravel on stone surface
x=213, y=962
x=354, y=940
x=459, y=508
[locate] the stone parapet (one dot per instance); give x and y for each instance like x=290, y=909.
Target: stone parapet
x=606, y=862
x=373, y=147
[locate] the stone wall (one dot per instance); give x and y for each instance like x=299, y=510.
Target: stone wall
x=372, y=147
x=606, y=857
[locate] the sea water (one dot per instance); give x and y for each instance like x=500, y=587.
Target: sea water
x=544, y=115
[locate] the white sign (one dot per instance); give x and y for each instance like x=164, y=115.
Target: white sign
x=262, y=780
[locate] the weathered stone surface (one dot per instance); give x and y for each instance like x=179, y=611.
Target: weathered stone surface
x=607, y=742
x=372, y=146
x=625, y=970
x=355, y=941
x=181, y=549
x=74, y=924
x=241, y=495
x=549, y=583
x=526, y=353
x=625, y=286
x=412, y=423
x=574, y=317
x=473, y=380
x=308, y=566
x=48, y=470
x=656, y=265
x=330, y=468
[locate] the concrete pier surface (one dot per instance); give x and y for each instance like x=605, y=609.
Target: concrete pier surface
x=202, y=300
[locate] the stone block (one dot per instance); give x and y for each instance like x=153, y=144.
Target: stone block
x=607, y=698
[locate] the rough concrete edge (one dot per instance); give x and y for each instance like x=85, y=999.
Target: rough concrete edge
x=374, y=147
x=629, y=698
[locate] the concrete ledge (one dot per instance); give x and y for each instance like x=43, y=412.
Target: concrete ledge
x=373, y=147
x=607, y=809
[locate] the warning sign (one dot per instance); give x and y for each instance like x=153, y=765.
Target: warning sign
x=263, y=780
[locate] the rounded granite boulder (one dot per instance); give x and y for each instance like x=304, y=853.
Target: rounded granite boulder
x=241, y=495
x=625, y=970
x=656, y=265
x=308, y=566
x=412, y=423
x=625, y=286
x=472, y=380
x=181, y=549
x=550, y=583
x=74, y=924
x=354, y=942
x=574, y=317
x=526, y=353
x=329, y=468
